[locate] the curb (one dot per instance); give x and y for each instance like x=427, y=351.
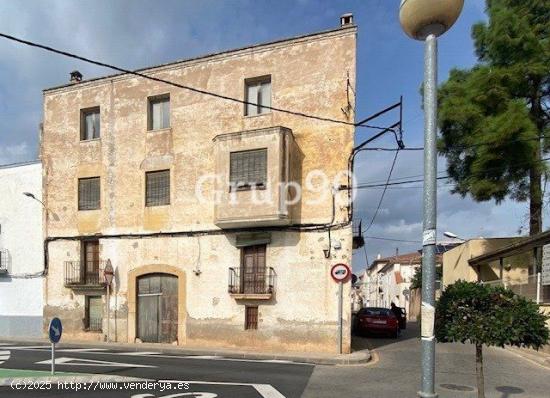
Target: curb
x=355, y=358
x=88, y=378
x=541, y=359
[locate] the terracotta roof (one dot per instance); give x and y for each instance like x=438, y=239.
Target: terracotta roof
x=407, y=258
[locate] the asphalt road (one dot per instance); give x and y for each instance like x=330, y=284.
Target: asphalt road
x=191, y=376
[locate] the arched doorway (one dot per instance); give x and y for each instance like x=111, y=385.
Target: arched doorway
x=157, y=308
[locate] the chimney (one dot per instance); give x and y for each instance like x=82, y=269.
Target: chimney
x=346, y=19
x=76, y=76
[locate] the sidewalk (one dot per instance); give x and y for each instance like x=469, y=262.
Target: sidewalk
x=361, y=356
x=538, y=357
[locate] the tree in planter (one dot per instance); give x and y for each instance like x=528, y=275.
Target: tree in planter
x=416, y=282
x=469, y=312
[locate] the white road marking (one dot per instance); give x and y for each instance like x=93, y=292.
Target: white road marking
x=80, y=349
x=91, y=362
x=100, y=351
x=181, y=394
x=4, y=356
x=265, y=390
x=135, y=353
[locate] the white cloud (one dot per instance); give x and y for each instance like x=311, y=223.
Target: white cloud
x=14, y=153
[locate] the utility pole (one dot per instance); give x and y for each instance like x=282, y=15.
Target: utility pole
x=426, y=20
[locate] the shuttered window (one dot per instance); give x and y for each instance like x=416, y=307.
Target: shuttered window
x=159, y=112
x=251, y=317
x=89, y=124
x=258, y=95
x=94, y=313
x=248, y=168
x=89, y=197
x=157, y=191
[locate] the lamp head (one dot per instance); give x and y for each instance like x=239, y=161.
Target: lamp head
x=421, y=18
x=30, y=195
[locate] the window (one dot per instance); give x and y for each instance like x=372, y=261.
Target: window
x=93, y=320
x=258, y=93
x=248, y=168
x=253, y=270
x=90, y=262
x=89, y=124
x=157, y=191
x=251, y=317
x=159, y=112
x=89, y=197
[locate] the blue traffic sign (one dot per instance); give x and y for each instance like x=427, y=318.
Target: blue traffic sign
x=55, y=330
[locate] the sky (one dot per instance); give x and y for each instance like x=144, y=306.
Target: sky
x=135, y=33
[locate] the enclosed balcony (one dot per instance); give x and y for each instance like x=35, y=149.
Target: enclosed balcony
x=254, y=169
x=252, y=283
x=84, y=274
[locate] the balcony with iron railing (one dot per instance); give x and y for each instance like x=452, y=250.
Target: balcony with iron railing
x=252, y=284
x=80, y=274
x=4, y=261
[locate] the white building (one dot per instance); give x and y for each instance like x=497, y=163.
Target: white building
x=21, y=248
x=388, y=280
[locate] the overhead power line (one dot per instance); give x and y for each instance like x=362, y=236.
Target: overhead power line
x=391, y=239
x=383, y=192
x=182, y=86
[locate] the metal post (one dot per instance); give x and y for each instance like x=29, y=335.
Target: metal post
x=53, y=358
x=340, y=323
x=430, y=208
x=538, y=287
x=108, y=313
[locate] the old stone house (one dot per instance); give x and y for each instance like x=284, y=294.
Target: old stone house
x=221, y=219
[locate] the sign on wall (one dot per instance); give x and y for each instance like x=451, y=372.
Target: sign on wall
x=546, y=265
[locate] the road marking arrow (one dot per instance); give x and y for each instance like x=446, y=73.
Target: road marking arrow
x=92, y=362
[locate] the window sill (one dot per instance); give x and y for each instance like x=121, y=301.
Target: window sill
x=250, y=187
x=153, y=206
x=90, y=140
x=99, y=208
x=258, y=115
x=163, y=130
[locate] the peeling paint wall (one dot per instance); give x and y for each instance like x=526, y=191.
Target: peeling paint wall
x=309, y=75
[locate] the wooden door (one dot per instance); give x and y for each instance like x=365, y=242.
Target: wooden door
x=253, y=270
x=157, y=307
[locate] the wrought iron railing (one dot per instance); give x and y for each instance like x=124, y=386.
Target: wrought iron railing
x=4, y=260
x=258, y=281
x=80, y=273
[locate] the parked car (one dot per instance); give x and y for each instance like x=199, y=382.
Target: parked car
x=374, y=320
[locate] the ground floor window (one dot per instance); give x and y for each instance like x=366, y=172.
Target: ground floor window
x=251, y=317
x=93, y=320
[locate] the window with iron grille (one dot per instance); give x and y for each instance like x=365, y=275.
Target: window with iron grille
x=94, y=314
x=248, y=168
x=89, y=197
x=258, y=94
x=251, y=317
x=157, y=190
x=89, y=124
x=159, y=112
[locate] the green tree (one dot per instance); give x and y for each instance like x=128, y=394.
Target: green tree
x=494, y=117
x=469, y=312
x=416, y=282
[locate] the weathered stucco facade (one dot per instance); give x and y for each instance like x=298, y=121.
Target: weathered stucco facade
x=197, y=240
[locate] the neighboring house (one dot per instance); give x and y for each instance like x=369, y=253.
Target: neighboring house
x=163, y=183
x=21, y=250
x=388, y=280
x=517, y=263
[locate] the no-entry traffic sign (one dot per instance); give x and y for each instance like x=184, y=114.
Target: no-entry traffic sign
x=340, y=272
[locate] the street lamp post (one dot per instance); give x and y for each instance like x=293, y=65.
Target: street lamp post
x=426, y=20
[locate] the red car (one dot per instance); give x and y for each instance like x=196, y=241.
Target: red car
x=377, y=321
